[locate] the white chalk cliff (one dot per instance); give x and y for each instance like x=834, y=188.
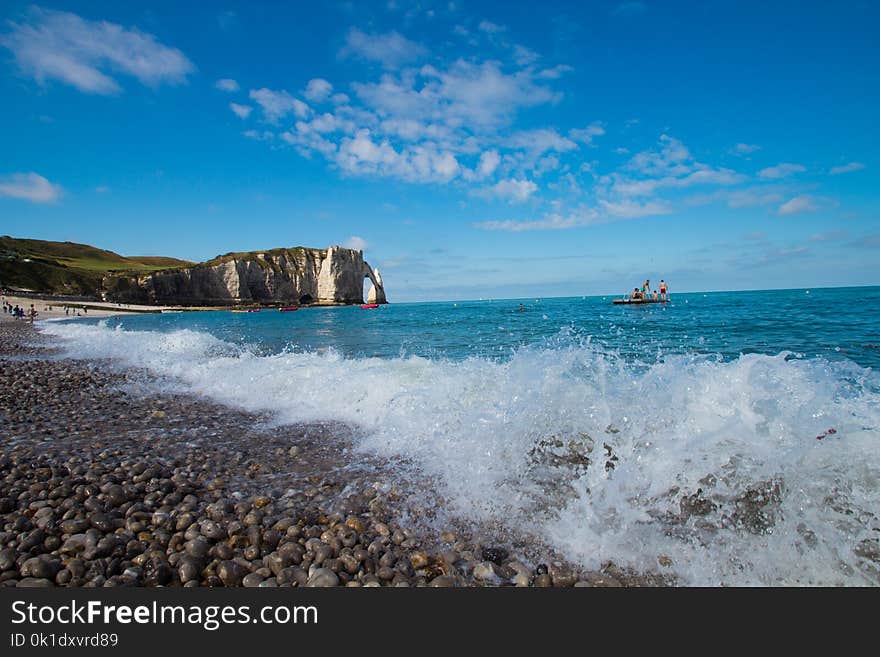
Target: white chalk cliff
x=288, y=276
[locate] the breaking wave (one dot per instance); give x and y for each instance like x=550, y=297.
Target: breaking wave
x=760, y=470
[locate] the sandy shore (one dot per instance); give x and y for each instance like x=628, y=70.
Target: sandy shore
x=105, y=482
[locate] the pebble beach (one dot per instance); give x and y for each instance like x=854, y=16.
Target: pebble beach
x=105, y=483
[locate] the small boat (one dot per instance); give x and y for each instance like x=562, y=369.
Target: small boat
x=369, y=306
x=246, y=310
x=253, y=310
x=637, y=302
x=288, y=309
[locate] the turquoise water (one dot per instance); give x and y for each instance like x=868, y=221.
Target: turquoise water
x=832, y=323
x=511, y=418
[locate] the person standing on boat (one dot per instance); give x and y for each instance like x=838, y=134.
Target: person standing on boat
x=663, y=290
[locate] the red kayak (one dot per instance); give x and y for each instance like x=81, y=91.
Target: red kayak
x=369, y=306
x=289, y=309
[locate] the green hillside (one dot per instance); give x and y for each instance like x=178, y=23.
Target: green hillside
x=67, y=267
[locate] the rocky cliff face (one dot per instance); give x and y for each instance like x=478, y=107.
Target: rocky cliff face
x=288, y=276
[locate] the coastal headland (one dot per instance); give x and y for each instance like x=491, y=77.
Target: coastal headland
x=81, y=274
x=106, y=479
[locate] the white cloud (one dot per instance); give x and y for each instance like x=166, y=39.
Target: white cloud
x=490, y=28
x=259, y=135
x=278, y=104
x=458, y=107
x=802, y=203
x=56, y=45
x=703, y=176
x=553, y=221
x=846, y=168
x=489, y=161
x=829, y=236
x=241, y=111
x=540, y=141
x=524, y=56
x=512, y=190
x=356, y=243
x=783, y=170
x=739, y=198
x=555, y=72
x=392, y=49
x=633, y=209
x=672, y=158
x=669, y=166
x=318, y=90
x=29, y=187
x=744, y=149
x=226, y=84
x=586, y=135
x=581, y=217
x=423, y=163
x=102, y=189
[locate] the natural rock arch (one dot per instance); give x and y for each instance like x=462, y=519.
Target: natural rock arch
x=376, y=293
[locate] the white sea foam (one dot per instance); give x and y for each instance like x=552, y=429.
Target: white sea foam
x=507, y=441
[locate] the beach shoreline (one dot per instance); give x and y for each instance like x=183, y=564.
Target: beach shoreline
x=107, y=479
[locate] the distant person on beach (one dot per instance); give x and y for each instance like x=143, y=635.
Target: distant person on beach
x=32, y=313
x=663, y=289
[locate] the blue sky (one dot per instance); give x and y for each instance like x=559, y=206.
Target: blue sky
x=472, y=149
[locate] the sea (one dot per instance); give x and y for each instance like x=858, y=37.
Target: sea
x=723, y=438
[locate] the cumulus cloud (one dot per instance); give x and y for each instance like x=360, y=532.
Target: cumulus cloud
x=29, y=187
x=540, y=141
x=512, y=190
x=226, y=84
x=783, y=170
x=489, y=161
x=391, y=49
x=241, y=111
x=585, y=135
x=356, y=243
x=278, y=104
x=318, y=90
x=744, y=149
x=799, y=204
x=846, y=168
x=633, y=209
x=668, y=166
x=362, y=154
x=57, y=45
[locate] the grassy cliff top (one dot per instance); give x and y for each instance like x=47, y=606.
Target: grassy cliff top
x=82, y=256
x=67, y=267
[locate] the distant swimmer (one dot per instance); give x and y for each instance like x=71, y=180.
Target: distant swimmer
x=522, y=308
